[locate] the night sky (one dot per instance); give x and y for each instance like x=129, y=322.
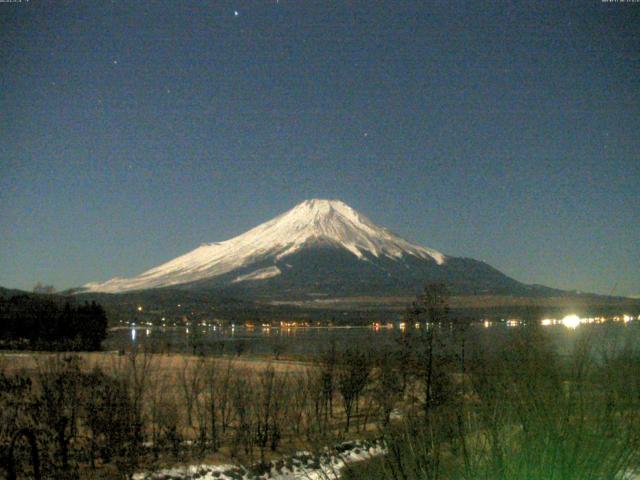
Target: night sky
x=133, y=131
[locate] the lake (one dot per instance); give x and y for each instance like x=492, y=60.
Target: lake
x=607, y=334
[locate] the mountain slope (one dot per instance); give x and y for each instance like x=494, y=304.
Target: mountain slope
x=319, y=247
x=310, y=223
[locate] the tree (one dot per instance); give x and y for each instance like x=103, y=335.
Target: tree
x=268, y=410
x=434, y=303
x=91, y=325
x=45, y=289
x=327, y=380
x=212, y=384
x=60, y=383
x=191, y=385
x=389, y=386
x=42, y=323
x=352, y=375
x=108, y=416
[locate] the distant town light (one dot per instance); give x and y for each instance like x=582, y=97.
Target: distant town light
x=571, y=321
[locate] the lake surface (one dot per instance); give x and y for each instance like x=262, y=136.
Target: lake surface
x=603, y=334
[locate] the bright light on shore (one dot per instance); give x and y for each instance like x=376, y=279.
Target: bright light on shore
x=571, y=321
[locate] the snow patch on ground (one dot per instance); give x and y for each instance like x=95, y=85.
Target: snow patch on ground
x=301, y=466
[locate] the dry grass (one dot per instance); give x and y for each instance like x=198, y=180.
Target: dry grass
x=12, y=362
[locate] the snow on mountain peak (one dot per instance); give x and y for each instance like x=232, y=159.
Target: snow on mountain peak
x=336, y=222
x=310, y=222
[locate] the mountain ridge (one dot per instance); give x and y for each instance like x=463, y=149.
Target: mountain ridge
x=312, y=222
x=319, y=247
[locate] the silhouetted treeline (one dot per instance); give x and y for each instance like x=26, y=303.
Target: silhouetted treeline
x=35, y=322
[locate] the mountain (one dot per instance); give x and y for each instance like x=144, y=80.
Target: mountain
x=318, y=248
x=11, y=292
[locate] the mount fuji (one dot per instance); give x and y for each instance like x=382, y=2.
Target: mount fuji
x=318, y=248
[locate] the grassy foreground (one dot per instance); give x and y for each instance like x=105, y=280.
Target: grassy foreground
x=524, y=413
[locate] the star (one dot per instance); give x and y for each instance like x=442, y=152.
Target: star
x=236, y=13
x=115, y=62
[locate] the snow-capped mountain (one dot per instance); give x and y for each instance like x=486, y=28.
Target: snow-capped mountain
x=318, y=247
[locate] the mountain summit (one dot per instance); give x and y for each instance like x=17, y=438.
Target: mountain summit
x=319, y=247
x=312, y=222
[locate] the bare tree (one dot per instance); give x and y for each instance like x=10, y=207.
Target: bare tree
x=212, y=383
x=19, y=409
x=225, y=394
x=243, y=401
x=388, y=387
x=189, y=378
x=352, y=375
x=327, y=381
x=133, y=372
x=299, y=390
x=264, y=409
x=278, y=346
x=158, y=385
x=432, y=356
x=60, y=385
x=169, y=436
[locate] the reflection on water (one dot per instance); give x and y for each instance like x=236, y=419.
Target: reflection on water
x=300, y=340
x=574, y=321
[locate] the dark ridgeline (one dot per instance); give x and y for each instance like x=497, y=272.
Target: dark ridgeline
x=41, y=322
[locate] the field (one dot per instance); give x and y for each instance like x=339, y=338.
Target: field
x=139, y=411
x=170, y=365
